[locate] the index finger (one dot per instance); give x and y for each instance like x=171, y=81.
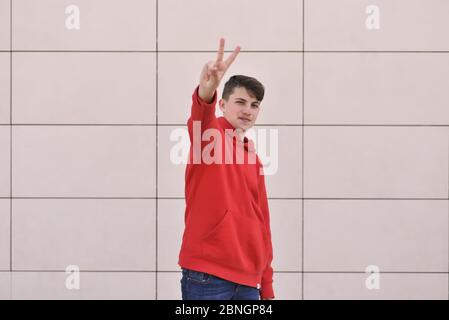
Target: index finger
x=232, y=57
x=221, y=50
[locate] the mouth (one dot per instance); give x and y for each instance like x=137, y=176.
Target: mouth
x=245, y=120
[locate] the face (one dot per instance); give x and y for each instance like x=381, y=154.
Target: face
x=241, y=110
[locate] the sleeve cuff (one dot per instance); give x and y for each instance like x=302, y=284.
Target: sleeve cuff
x=204, y=103
x=266, y=292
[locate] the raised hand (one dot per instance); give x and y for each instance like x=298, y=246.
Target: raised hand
x=214, y=71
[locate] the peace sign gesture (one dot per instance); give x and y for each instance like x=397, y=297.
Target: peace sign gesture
x=214, y=71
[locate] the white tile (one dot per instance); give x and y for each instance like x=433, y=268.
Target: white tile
x=376, y=162
x=93, y=286
x=286, y=234
x=171, y=163
x=96, y=235
x=4, y=234
x=79, y=88
x=5, y=29
x=5, y=85
x=391, y=287
x=287, y=286
x=5, y=286
x=170, y=232
x=169, y=286
x=395, y=235
x=282, y=159
x=403, y=25
x=254, y=24
x=376, y=88
x=103, y=25
x=84, y=161
x=5, y=162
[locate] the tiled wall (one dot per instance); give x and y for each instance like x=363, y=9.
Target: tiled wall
x=362, y=118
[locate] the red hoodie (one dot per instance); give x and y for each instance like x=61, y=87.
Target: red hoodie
x=227, y=222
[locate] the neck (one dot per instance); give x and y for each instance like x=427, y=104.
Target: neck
x=240, y=133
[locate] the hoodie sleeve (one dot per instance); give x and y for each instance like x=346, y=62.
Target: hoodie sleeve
x=202, y=112
x=267, y=277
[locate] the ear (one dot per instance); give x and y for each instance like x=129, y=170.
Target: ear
x=221, y=104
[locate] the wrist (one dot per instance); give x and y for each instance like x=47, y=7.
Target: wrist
x=206, y=96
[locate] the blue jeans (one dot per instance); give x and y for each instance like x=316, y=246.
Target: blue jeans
x=203, y=286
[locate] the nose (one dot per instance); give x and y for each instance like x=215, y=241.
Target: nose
x=246, y=110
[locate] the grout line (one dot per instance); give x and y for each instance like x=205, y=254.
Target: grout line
x=184, y=125
x=226, y=51
x=10, y=137
x=278, y=272
x=91, y=198
x=302, y=161
x=157, y=145
x=182, y=198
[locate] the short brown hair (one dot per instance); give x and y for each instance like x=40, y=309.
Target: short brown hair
x=252, y=85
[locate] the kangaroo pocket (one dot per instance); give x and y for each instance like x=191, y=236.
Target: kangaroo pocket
x=238, y=242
